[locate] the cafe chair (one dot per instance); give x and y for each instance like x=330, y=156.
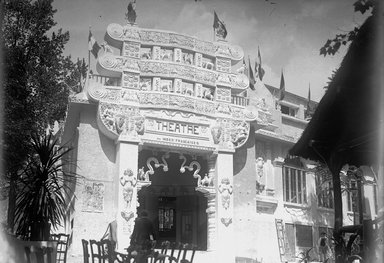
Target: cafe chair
x=188, y=249
x=102, y=251
x=165, y=245
x=174, y=255
x=86, y=254
x=62, y=246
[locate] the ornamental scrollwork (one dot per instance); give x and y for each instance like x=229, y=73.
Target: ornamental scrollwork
x=97, y=92
x=118, y=63
x=115, y=31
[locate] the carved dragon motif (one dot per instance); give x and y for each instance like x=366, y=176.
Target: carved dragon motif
x=190, y=168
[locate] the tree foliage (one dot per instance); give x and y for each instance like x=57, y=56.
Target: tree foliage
x=36, y=73
x=333, y=45
x=38, y=79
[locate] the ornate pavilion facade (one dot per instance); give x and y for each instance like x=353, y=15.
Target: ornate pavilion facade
x=171, y=126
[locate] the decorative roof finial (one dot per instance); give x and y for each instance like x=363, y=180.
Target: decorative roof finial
x=131, y=14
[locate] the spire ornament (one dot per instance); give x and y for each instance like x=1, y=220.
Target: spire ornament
x=131, y=12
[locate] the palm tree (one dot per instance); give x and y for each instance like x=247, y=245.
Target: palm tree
x=44, y=188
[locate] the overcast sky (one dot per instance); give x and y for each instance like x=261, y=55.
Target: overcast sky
x=289, y=32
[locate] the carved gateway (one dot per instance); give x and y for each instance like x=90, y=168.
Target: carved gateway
x=171, y=89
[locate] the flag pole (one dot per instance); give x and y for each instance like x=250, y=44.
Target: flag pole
x=89, y=52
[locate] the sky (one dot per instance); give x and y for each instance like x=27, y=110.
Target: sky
x=289, y=33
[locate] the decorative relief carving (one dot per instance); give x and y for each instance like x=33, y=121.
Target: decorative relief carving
x=121, y=119
x=226, y=221
x=259, y=175
x=131, y=80
x=239, y=81
x=113, y=95
x=145, y=84
x=176, y=70
x=117, y=63
x=239, y=133
x=177, y=101
x=93, y=200
x=129, y=96
x=154, y=37
x=128, y=181
x=230, y=133
x=181, y=40
x=230, y=51
x=128, y=32
x=207, y=181
x=224, y=79
x=131, y=33
x=223, y=65
x=131, y=49
x=225, y=190
x=223, y=94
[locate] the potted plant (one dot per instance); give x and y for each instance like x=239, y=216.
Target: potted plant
x=44, y=186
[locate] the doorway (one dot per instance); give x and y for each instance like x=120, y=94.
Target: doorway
x=177, y=218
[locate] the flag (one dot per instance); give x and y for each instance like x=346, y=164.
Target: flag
x=261, y=70
x=93, y=47
x=252, y=80
x=282, y=87
x=256, y=71
x=219, y=27
x=245, y=68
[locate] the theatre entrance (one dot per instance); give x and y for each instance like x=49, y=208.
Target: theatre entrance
x=176, y=209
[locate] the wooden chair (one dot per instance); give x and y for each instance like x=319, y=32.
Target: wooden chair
x=102, y=251
x=172, y=257
x=188, y=249
x=62, y=246
x=85, y=250
x=163, y=251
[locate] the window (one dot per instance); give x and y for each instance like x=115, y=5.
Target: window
x=294, y=183
x=352, y=196
x=297, y=236
x=166, y=213
x=304, y=236
x=287, y=110
x=324, y=190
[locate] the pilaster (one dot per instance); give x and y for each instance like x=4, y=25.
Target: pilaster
x=224, y=207
x=127, y=159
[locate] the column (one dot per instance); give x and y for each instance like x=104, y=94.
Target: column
x=226, y=244
x=127, y=161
